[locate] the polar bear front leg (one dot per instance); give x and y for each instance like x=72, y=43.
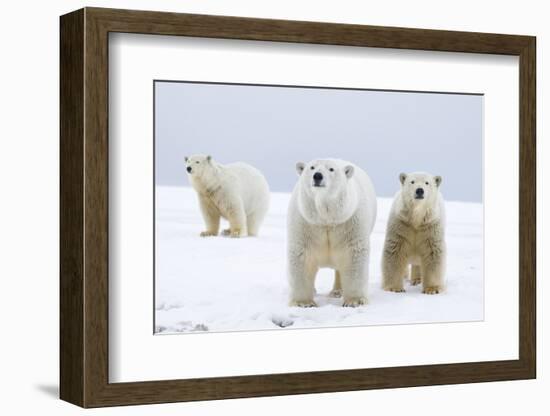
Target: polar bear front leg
x=354, y=278
x=211, y=216
x=394, y=265
x=433, y=281
x=433, y=267
x=301, y=275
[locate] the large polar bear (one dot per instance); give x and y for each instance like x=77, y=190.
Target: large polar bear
x=415, y=235
x=330, y=218
x=237, y=192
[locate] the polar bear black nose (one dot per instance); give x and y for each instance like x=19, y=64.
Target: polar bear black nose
x=318, y=177
x=419, y=192
x=189, y=169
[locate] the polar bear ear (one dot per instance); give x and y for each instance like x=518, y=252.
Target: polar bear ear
x=300, y=166
x=209, y=158
x=349, y=171
x=438, y=180
x=402, y=178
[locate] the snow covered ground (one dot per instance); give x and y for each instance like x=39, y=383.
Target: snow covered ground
x=225, y=284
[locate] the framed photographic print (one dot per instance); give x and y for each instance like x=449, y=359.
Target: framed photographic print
x=255, y=207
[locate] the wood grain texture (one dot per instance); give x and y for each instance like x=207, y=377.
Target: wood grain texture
x=71, y=101
x=84, y=207
x=528, y=208
x=96, y=208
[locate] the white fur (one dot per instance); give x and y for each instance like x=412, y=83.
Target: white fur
x=330, y=226
x=415, y=235
x=237, y=192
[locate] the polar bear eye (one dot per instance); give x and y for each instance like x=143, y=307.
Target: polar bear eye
x=313, y=167
x=412, y=182
x=197, y=162
x=427, y=183
x=331, y=169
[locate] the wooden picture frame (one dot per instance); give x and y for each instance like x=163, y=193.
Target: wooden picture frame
x=84, y=207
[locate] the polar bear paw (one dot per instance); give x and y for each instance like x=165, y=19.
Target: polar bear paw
x=335, y=293
x=208, y=234
x=354, y=302
x=394, y=289
x=232, y=233
x=303, y=303
x=236, y=234
x=416, y=281
x=431, y=290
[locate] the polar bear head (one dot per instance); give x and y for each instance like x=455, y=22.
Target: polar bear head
x=324, y=175
x=419, y=188
x=197, y=166
x=326, y=193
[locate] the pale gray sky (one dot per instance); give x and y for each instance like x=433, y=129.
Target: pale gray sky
x=273, y=127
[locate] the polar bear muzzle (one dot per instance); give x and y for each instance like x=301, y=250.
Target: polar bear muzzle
x=318, y=180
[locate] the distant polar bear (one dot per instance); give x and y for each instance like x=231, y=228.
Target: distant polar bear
x=330, y=218
x=415, y=235
x=237, y=192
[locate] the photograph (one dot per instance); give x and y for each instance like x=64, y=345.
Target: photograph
x=292, y=207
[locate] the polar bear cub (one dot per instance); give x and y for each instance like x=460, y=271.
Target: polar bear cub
x=237, y=192
x=415, y=235
x=331, y=215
